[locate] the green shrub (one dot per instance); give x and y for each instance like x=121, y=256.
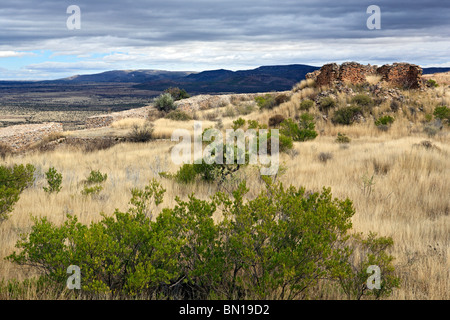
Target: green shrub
x=186, y=174
x=362, y=100
x=238, y=123
x=442, y=112
x=346, y=115
x=13, y=180
x=342, y=138
x=95, y=176
x=91, y=190
x=92, y=184
x=302, y=131
x=432, y=83
x=54, y=180
x=178, y=115
x=177, y=93
x=277, y=245
x=384, y=120
x=165, y=102
x=266, y=102
x=327, y=103
x=306, y=104
x=285, y=143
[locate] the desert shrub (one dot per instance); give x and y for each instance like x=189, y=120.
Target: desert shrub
x=384, y=120
x=13, y=180
x=325, y=156
x=92, y=184
x=285, y=143
x=54, y=181
x=275, y=120
x=383, y=123
x=362, y=100
x=342, y=138
x=4, y=150
x=442, y=113
x=346, y=115
x=186, y=174
x=432, y=128
x=165, y=102
x=212, y=116
x=281, y=98
x=238, y=123
x=143, y=133
x=327, y=103
x=395, y=105
x=245, y=108
x=302, y=131
x=306, y=104
x=178, y=115
x=275, y=246
x=177, y=93
x=229, y=112
x=266, y=102
x=432, y=83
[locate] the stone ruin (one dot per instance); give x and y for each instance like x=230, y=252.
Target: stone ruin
x=402, y=75
x=20, y=137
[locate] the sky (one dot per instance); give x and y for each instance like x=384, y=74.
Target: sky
x=36, y=42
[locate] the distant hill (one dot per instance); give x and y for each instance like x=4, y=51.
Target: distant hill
x=434, y=70
x=262, y=79
x=127, y=76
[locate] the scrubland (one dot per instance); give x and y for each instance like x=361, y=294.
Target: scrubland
x=399, y=186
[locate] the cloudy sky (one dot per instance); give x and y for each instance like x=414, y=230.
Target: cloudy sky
x=184, y=35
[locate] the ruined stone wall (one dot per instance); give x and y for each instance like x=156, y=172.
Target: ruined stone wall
x=23, y=136
x=399, y=74
x=402, y=75
x=106, y=119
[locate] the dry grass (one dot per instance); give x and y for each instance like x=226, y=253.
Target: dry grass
x=442, y=78
x=127, y=123
x=408, y=200
x=373, y=79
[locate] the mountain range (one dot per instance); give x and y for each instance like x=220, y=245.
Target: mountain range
x=262, y=79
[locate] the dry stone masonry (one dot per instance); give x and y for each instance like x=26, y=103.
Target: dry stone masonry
x=105, y=120
x=403, y=75
x=21, y=137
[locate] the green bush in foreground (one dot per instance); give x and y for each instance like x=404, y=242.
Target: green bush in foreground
x=276, y=246
x=13, y=180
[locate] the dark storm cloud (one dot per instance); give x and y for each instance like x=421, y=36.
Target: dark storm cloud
x=155, y=22
x=233, y=34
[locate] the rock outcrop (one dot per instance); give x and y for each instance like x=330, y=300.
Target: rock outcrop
x=403, y=75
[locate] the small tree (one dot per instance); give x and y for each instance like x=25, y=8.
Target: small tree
x=54, y=180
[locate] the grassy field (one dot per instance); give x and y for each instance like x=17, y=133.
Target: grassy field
x=399, y=185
